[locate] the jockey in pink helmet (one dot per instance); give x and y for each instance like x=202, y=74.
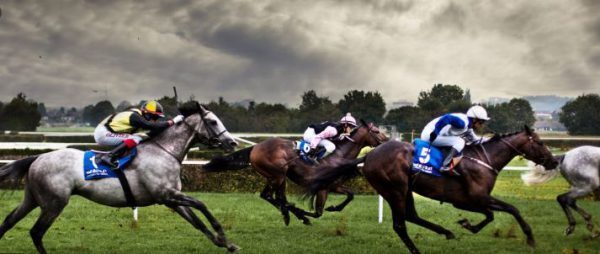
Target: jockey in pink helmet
x=320, y=135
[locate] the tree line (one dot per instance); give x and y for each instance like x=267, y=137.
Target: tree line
x=579, y=115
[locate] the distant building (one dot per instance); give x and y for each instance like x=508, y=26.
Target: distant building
x=400, y=103
x=542, y=115
x=547, y=121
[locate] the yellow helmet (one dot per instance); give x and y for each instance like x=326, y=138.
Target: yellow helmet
x=153, y=107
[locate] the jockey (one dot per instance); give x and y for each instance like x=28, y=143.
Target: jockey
x=320, y=134
x=454, y=130
x=121, y=129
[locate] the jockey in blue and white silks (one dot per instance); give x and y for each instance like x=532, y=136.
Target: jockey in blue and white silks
x=454, y=130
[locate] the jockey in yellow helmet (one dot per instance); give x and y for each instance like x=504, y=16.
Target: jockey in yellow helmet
x=121, y=129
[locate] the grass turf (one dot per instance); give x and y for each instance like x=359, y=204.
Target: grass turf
x=257, y=227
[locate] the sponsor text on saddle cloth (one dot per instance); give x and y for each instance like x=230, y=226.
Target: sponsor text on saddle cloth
x=303, y=148
x=93, y=171
x=427, y=158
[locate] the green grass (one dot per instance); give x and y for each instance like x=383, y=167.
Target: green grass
x=257, y=227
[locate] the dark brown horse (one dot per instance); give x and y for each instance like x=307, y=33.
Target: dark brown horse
x=388, y=170
x=275, y=159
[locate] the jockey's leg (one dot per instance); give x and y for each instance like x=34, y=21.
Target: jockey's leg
x=112, y=157
x=124, y=142
x=329, y=147
x=457, y=144
x=309, y=134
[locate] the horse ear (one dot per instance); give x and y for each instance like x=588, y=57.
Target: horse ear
x=527, y=130
x=362, y=122
x=200, y=108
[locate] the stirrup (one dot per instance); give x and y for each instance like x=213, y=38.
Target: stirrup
x=313, y=160
x=108, y=160
x=449, y=171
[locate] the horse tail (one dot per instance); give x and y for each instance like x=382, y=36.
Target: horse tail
x=234, y=161
x=15, y=171
x=538, y=174
x=325, y=177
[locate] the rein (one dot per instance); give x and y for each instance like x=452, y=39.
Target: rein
x=189, y=127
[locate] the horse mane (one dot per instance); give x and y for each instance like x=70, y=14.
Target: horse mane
x=499, y=136
x=190, y=107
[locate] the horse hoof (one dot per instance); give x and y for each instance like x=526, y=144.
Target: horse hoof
x=450, y=236
x=531, y=243
x=590, y=226
x=464, y=223
x=307, y=222
x=233, y=248
x=286, y=220
x=569, y=230
x=331, y=209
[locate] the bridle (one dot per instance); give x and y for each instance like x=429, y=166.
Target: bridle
x=211, y=140
x=519, y=152
x=372, y=134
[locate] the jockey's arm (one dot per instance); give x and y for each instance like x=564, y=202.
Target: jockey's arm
x=140, y=122
x=471, y=137
x=328, y=132
x=449, y=119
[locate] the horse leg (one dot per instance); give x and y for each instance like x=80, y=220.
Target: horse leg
x=569, y=199
x=499, y=205
x=341, y=206
x=489, y=217
x=177, y=198
x=319, y=204
x=564, y=200
x=412, y=216
x=18, y=213
x=267, y=194
x=50, y=211
x=286, y=207
x=398, y=206
x=189, y=216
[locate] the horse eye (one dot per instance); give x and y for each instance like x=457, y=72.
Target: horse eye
x=214, y=123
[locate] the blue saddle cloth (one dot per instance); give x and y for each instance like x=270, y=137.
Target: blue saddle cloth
x=93, y=171
x=427, y=158
x=303, y=148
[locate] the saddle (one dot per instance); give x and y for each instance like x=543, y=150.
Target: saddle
x=306, y=153
x=92, y=170
x=429, y=159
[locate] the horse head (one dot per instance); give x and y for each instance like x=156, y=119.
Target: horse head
x=368, y=134
x=528, y=144
x=209, y=129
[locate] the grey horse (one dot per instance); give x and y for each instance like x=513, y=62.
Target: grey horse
x=154, y=176
x=581, y=168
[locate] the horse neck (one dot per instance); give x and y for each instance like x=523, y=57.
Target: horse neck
x=499, y=153
x=176, y=140
x=350, y=149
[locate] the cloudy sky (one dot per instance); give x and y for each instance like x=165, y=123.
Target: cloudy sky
x=59, y=52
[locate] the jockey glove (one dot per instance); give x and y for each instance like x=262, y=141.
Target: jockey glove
x=177, y=119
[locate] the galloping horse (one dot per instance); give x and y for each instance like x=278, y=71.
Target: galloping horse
x=388, y=170
x=154, y=176
x=276, y=158
x=581, y=168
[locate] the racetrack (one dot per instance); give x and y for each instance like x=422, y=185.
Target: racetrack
x=257, y=227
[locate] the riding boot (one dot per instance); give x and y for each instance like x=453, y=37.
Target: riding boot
x=111, y=158
x=313, y=155
x=320, y=150
x=448, y=160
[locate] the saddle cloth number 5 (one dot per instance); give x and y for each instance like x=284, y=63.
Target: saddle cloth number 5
x=424, y=157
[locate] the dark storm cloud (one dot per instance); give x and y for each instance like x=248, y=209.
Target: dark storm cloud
x=60, y=51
